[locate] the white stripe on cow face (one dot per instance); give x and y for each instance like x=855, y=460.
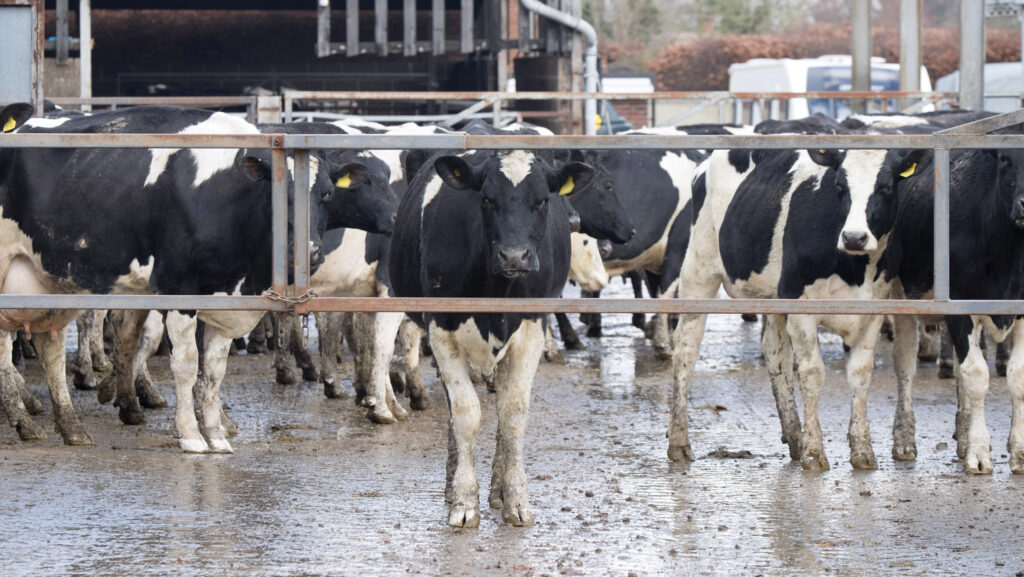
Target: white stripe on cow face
x=862, y=168
x=516, y=165
x=208, y=161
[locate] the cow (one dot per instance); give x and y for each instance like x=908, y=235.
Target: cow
x=986, y=260
x=485, y=224
x=793, y=224
x=137, y=221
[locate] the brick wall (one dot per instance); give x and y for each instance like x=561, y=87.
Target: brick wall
x=634, y=111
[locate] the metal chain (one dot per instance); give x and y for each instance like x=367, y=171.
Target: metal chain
x=276, y=296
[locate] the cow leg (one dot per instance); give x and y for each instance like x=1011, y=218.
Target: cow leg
x=660, y=337
x=409, y=340
x=357, y=333
x=462, y=490
x=592, y=320
x=82, y=375
x=946, y=364
x=128, y=325
x=257, y=344
x=208, y=403
x=778, y=356
x=1003, y=355
x=1015, y=383
x=181, y=329
x=10, y=395
x=328, y=327
x=689, y=334
x=859, y=367
x=100, y=362
x=928, y=342
x=149, y=342
x=570, y=338
x=283, y=366
x=803, y=332
x=977, y=447
x=635, y=279
x=513, y=381
x=551, y=352
x=905, y=353
x=32, y=404
x=378, y=332
x=50, y=348
x=300, y=350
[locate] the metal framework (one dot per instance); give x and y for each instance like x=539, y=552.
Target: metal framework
x=297, y=297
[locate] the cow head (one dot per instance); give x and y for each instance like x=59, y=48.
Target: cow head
x=602, y=216
x=1010, y=183
x=866, y=181
x=14, y=115
x=362, y=197
x=515, y=191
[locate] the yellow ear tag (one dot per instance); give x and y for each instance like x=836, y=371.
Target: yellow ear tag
x=458, y=173
x=10, y=124
x=821, y=151
x=908, y=172
x=566, y=188
x=345, y=181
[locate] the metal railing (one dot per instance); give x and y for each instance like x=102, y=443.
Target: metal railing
x=297, y=297
x=251, y=103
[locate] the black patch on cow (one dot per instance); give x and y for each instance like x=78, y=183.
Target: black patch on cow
x=740, y=160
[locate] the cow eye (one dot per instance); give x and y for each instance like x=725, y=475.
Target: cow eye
x=540, y=205
x=489, y=203
x=328, y=194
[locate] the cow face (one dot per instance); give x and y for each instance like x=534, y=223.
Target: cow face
x=515, y=191
x=602, y=216
x=363, y=197
x=1010, y=183
x=866, y=181
x=14, y=115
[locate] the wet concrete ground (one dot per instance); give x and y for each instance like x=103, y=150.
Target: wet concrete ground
x=315, y=489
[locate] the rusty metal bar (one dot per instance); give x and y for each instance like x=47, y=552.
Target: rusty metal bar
x=302, y=244
x=279, y=224
x=940, y=254
x=141, y=302
x=552, y=95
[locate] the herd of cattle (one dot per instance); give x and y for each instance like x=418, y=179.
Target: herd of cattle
x=760, y=224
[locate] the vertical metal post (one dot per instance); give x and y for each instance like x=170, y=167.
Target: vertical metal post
x=910, y=48
x=437, y=21
x=409, y=28
x=860, y=50
x=380, y=26
x=1020, y=17
x=287, y=106
x=62, y=33
x=279, y=222
x=525, y=29
x=467, y=26
x=302, y=200
x=972, y=54
x=323, y=28
x=351, y=28
x=85, y=51
x=941, y=224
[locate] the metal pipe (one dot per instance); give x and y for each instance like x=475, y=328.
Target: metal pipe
x=940, y=221
x=860, y=51
x=910, y=47
x=590, y=77
x=972, y=54
x=279, y=222
x=302, y=246
x=85, y=50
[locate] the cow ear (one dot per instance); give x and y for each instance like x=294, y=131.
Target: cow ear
x=576, y=155
x=254, y=164
x=15, y=115
x=457, y=173
x=349, y=175
x=570, y=178
x=827, y=158
x=913, y=162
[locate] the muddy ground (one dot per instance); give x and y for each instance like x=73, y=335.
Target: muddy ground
x=315, y=489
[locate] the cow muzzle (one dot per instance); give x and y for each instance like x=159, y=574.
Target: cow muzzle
x=855, y=241
x=515, y=261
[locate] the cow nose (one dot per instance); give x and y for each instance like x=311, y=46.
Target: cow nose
x=632, y=233
x=514, y=257
x=605, y=248
x=574, y=222
x=855, y=240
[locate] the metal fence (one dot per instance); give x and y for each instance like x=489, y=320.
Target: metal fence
x=298, y=298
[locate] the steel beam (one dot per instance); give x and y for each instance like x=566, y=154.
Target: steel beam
x=910, y=48
x=940, y=220
x=972, y=54
x=860, y=50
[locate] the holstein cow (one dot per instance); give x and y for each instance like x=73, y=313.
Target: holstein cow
x=485, y=224
x=792, y=224
x=986, y=263
x=136, y=221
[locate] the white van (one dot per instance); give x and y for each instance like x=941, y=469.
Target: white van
x=825, y=73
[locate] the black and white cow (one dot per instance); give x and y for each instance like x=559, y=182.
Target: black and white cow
x=136, y=221
x=793, y=224
x=486, y=224
x=986, y=263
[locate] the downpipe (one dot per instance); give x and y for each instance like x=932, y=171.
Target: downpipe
x=589, y=56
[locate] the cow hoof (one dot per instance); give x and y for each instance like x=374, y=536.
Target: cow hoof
x=814, y=459
x=520, y=516
x=662, y=353
x=286, y=377
x=1017, y=462
x=419, y=403
x=928, y=357
x=256, y=348
x=220, y=446
x=102, y=364
x=1001, y=368
x=978, y=462
x=310, y=374
x=946, y=371
x=228, y=425
x=462, y=516
x=149, y=397
x=554, y=357
x=574, y=345
x=32, y=405
x=680, y=453
x=28, y=430
x=194, y=445
x=83, y=381
x=334, y=390
x=864, y=461
x=131, y=414
x=381, y=415
x=397, y=382
x=399, y=412
x=105, y=392
x=74, y=434
x=749, y=317
x=594, y=332
x=904, y=451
